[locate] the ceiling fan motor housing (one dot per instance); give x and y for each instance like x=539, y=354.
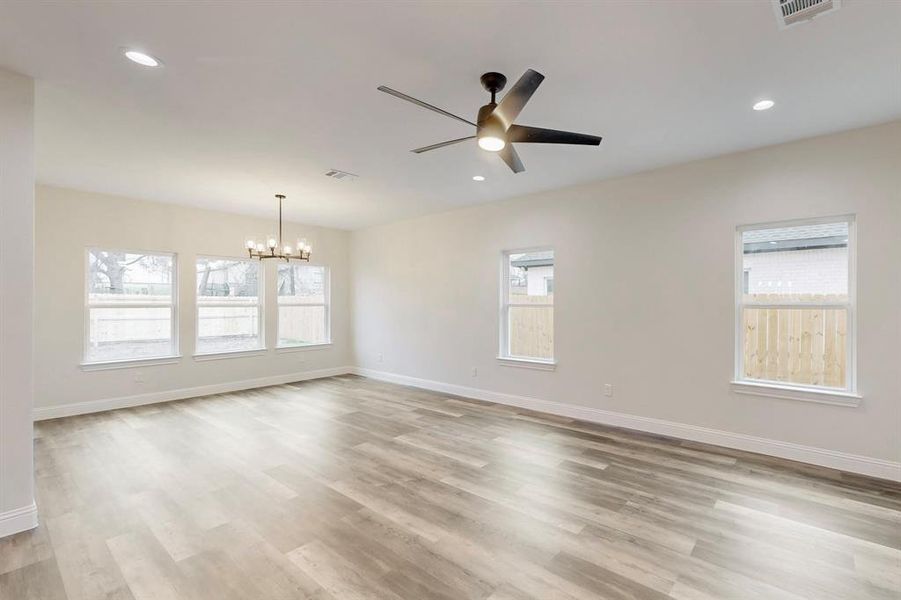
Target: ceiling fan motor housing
x=489, y=124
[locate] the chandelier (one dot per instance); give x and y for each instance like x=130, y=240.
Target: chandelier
x=273, y=248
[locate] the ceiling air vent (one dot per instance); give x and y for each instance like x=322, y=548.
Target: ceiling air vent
x=792, y=12
x=341, y=175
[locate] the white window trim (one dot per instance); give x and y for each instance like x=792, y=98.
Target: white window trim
x=326, y=304
x=100, y=365
x=847, y=396
x=226, y=354
x=527, y=363
x=753, y=387
x=304, y=347
x=130, y=363
x=261, y=323
x=504, y=357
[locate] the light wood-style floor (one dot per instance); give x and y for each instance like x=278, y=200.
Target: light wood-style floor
x=346, y=488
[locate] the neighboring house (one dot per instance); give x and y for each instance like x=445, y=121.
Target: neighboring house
x=533, y=272
x=811, y=259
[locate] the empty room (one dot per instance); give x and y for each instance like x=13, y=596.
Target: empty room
x=450, y=300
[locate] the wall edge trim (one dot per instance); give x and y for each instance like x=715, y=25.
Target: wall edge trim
x=18, y=520
x=42, y=413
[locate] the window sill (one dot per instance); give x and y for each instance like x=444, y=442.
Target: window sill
x=303, y=347
x=132, y=363
x=804, y=394
x=229, y=354
x=527, y=363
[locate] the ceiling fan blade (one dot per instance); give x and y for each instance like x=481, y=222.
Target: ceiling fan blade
x=514, y=100
x=537, y=135
x=442, y=144
x=403, y=96
x=511, y=157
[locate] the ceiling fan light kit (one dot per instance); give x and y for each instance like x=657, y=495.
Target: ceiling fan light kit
x=273, y=247
x=495, y=127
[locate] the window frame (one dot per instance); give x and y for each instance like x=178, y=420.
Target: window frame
x=174, y=342
x=504, y=356
x=261, y=303
x=326, y=304
x=848, y=395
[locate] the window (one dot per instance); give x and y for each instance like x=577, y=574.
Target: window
x=130, y=308
x=527, y=306
x=795, y=291
x=229, y=318
x=303, y=305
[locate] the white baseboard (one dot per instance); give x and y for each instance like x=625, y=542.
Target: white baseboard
x=19, y=519
x=81, y=408
x=864, y=465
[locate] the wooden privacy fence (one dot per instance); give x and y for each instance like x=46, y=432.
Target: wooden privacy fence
x=532, y=328
x=796, y=345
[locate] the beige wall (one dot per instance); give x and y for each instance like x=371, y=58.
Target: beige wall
x=68, y=222
x=17, y=510
x=644, y=289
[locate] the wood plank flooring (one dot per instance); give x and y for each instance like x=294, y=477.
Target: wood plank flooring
x=347, y=488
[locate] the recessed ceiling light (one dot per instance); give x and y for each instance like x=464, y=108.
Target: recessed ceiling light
x=478, y=178
x=141, y=58
x=764, y=105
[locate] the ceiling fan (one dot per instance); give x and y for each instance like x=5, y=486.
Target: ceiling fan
x=495, y=130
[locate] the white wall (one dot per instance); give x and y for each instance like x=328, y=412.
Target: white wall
x=69, y=221
x=17, y=511
x=644, y=290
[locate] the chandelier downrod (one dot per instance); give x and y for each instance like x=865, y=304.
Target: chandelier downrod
x=280, y=197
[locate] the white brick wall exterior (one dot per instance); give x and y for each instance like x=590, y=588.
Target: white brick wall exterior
x=820, y=271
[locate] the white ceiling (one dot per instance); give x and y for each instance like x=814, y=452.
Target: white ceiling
x=259, y=98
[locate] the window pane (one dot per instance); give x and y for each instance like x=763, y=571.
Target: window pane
x=797, y=345
x=301, y=284
x=532, y=277
x=227, y=328
x=126, y=333
x=531, y=331
x=231, y=281
x=129, y=277
x=806, y=263
x=300, y=325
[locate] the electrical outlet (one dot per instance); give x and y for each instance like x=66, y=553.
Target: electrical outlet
x=139, y=377
x=475, y=372
x=380, y=358
x=608, y=389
